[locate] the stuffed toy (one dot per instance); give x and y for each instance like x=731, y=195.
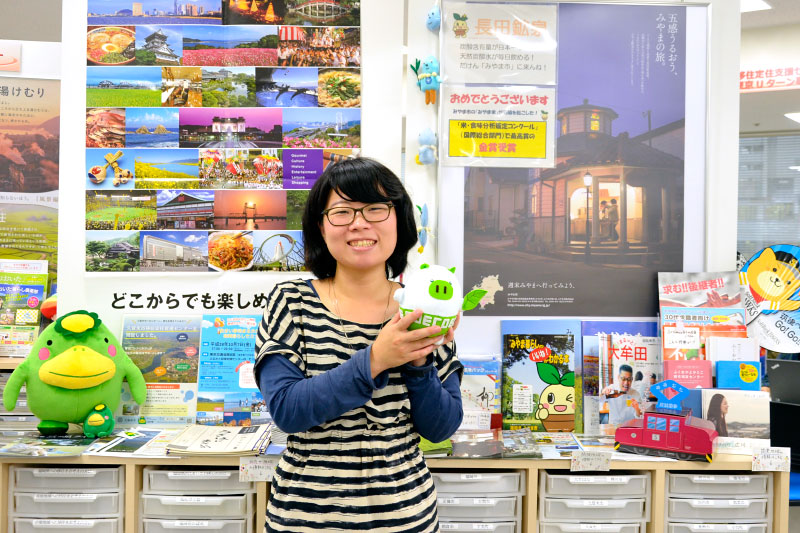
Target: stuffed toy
x=428, y=79
x=427, y=147
x=436, y=290
x=74, y=375
x=423, y=229
x=434, y=19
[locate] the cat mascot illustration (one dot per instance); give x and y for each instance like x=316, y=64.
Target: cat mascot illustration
x=773, y=280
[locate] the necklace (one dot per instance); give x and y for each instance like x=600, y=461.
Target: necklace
x=339, y=315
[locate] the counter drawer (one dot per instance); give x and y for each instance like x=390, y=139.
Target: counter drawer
x=167, y=506
x=496, y=527
x=52, y=504
x=718, y=484
x=557, y=527
x=153, y=525
x=604, y=486
x=718, y=510
x=459, y=508
x=171, y=481
x=716, y=528
x=600, y=510
x=64, y=525
x=479, y=483
x=34, y=479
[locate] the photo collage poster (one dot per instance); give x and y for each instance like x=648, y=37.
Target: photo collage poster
x=588, y=236
x=207, y=122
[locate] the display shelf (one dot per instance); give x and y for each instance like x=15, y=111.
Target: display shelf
x=134, y=468
x=10, y=363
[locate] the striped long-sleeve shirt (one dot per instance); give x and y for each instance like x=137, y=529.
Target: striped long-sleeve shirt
x=352, y=462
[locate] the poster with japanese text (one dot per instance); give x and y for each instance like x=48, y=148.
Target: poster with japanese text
x=539, y=385
x=588, y=237
x=510, y=43
x=29, y=170
x=166, y=350
x=227, y=390
x=207, y=122
x=508, y=126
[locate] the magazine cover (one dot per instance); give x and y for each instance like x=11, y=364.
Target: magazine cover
x=685, y=329
x=591, y=364
x=699, y=289
x=539, y=385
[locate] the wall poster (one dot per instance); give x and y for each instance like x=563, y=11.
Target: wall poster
x=29, y=136
x=588, y=236
x=207, y=122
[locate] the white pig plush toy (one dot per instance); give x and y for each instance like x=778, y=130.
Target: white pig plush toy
x=436, y=290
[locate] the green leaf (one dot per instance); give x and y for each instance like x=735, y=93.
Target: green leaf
x=472, y=299
x=548, y=373
x=568, y=379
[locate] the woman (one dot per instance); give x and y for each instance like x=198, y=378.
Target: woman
x=717, y=409
x=342, y=374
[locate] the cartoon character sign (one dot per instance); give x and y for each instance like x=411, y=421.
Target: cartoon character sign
x=770, y=283
x=557, y=400
x=460, y=27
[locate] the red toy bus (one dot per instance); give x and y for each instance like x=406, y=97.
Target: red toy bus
x=669, y=434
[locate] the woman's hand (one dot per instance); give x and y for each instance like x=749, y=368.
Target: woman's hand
x=448, y=337
x=396, y=345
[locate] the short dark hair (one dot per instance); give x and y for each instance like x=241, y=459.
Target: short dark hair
x=362, y=180
x=625, y=368
x=614, y=201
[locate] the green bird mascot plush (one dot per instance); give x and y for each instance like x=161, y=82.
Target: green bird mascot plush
x=74, y=375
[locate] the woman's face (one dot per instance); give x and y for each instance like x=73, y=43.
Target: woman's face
x=723, y=407
x=360, y=245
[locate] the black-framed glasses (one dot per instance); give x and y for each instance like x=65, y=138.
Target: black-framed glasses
x=344, y=216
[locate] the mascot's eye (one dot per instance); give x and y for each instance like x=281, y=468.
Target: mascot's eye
x=49, y=343
x=106, y=340
x=551, y=398
x=774, y=269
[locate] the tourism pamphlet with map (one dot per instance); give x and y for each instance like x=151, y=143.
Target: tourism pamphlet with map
x=166, y=349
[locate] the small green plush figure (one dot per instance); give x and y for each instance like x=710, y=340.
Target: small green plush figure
x=74, y=375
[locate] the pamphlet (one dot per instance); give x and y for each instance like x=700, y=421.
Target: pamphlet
x=227, y=390
x=220, y=440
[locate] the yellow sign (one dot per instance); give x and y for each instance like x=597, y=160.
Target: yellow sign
x=748, y=373
x=498, y=139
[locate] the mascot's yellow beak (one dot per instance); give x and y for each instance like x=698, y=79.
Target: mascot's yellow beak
x=78, y=367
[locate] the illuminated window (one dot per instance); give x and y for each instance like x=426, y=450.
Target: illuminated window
x=594, y=122
x=563, y=127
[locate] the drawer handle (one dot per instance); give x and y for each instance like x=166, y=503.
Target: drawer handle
x=721, y=479
x=46, y=497
x=195, y=475
x=578, y=504
x=63, y=472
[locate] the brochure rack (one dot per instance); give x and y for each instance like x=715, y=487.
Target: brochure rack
x=659, y=472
